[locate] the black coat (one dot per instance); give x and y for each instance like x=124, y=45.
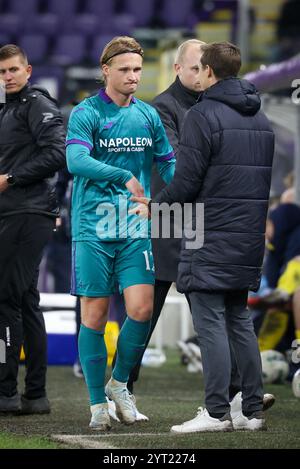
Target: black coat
x=171, y=106
x=32, y=149
x=225, y=162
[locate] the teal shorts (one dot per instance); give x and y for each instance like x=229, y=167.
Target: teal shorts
x=100, y=268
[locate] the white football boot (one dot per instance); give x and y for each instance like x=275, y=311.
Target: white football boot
x=112, y=411
x=100, y=418
x=125, y=407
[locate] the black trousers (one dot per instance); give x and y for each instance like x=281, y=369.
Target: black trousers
x=22, y=240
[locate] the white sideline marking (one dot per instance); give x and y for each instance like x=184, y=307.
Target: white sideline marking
x=87, y=441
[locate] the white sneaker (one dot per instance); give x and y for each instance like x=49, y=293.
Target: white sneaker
x=125, y=408
x=236, y=404
x=100, y=418
x=112, y=411
x=255, y=422
x=203, y=422
x=296, y=384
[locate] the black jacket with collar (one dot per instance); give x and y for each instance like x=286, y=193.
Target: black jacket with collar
x=224, y=162
x=171, y=106
x=32, y=149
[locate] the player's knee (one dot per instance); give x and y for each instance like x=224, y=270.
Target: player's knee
x=95, y=324
x=142, y=312
x=94, y=320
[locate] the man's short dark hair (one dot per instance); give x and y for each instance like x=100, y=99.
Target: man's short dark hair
x=11, y=50
x=223, y=57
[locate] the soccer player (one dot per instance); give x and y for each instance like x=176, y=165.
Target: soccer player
x=112, y=141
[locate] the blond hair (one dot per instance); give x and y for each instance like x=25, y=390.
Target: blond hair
x=120, y=45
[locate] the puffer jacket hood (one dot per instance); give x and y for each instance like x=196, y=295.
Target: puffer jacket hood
x=224, y=162
x=44, y=92
x=240, y=95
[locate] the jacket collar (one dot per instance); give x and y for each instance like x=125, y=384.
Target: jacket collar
x=17, y=96
x=190, y=95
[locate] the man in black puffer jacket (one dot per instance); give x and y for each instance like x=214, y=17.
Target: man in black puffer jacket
x=224, y=162
x=31, y=151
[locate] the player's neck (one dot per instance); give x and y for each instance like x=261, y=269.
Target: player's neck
x=118, y=98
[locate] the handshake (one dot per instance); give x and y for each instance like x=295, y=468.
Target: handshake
x=137, y=190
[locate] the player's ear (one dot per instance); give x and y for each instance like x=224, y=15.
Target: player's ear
x=105, y=68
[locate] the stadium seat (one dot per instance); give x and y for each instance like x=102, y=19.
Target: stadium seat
x=123, y=24
x=99, y=43
x=175, y=13
x=24, y=8
x=86, y=24
x=11, y=24
x=36, y=47
x=142, y=11
x=103, y=8
x=63, y=8
x=69, y=49
x=50, y=77
x=4, y=39
x=47, y=24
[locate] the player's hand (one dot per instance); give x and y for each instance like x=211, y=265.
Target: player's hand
x=135, y=187
x=141, y=209
x=4, y=183
x=141, y=200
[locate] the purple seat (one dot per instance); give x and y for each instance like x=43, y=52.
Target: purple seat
x=24, y=8
x=98, y=45
x=10, y=24
x=141, y=10
x=46, y=75
x=69, y=49
x=4, y=39
x=103, y=8
x=175, y=13
x=123, y=24
x=35, y=46
x=86, y=24
x=3, y=4
x=47, y=24
x=63, y=8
